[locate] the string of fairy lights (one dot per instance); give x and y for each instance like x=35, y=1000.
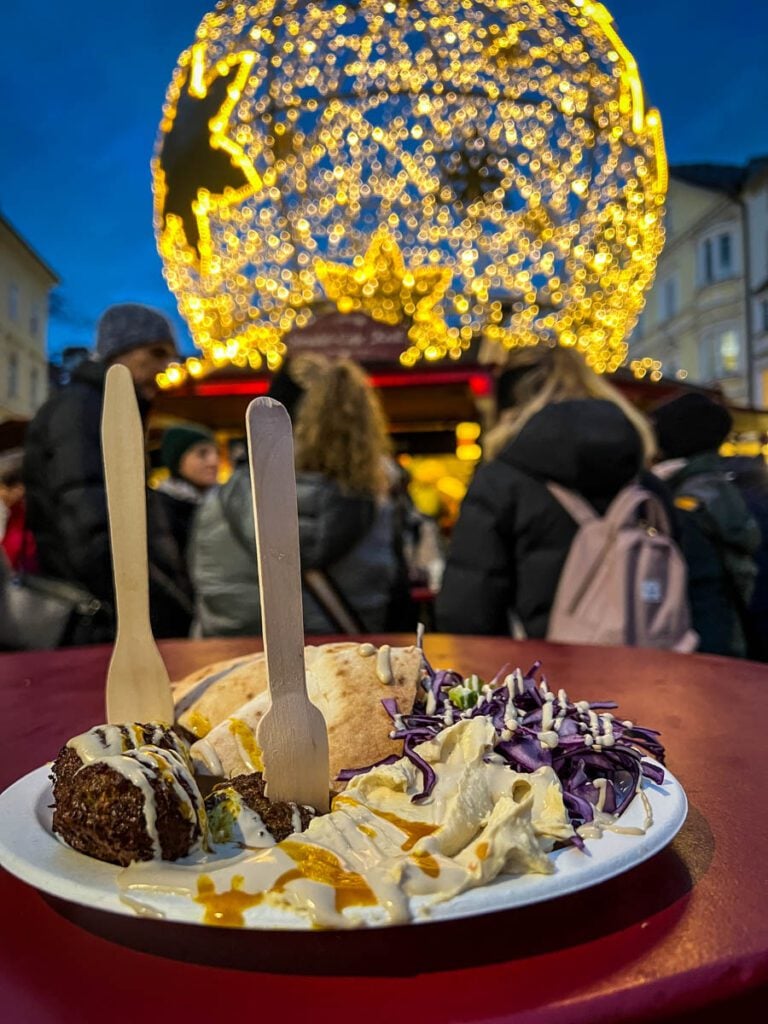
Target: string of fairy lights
x=466, y=168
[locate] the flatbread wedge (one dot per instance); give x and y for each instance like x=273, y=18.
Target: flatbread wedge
x=208, y=696
x=345, y=681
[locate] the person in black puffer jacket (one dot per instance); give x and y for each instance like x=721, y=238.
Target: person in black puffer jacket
x=64, y=476
x=560, y=422
x=718, y=536
x=750, y=475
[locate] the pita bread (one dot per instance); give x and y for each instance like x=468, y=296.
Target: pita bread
x=209, y=695
x=345, y=685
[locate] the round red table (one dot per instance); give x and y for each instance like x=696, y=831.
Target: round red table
x=674, y=938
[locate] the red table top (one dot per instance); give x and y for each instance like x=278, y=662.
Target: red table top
x=685, y=930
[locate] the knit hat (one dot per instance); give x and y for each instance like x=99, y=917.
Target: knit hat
x=178, y=440
x=689, y=425
x=130, y=325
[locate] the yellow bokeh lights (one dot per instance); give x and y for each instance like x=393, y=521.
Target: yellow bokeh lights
x=651, y=368
x=469, y=168
x=380, y=285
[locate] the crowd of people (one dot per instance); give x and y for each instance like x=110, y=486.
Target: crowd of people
x=564, y=440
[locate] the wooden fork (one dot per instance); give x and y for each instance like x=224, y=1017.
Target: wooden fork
x=292, y=734
x=138, y=688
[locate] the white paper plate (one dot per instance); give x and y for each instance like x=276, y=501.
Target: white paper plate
x=30, y=851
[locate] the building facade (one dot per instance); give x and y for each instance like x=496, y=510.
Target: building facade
x=755, y=198
x=705, y=318
x=25, y=283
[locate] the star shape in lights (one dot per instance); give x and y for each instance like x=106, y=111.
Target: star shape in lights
x=535, y=171
x=200, y=166
x=380, y=284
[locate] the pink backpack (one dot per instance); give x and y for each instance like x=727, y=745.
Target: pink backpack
x=625, y=580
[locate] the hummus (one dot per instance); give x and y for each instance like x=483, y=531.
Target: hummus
x=378, y=857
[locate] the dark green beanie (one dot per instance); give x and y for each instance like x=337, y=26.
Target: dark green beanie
x=178, y=440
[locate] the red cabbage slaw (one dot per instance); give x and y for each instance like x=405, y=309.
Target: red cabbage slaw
x=535, y=726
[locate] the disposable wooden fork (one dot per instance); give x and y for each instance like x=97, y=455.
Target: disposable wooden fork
x=138, y=688
x=292, y=734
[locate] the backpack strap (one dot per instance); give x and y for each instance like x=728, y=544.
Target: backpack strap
x=578, y=508
x=343, y=617
x=623, y=509
x=326, y=592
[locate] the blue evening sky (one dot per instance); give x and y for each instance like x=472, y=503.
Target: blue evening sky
x=81, y=87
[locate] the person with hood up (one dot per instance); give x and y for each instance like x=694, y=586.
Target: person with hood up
x=64, y=476
x=718, y=536
x=558, y=421
x=189, y=452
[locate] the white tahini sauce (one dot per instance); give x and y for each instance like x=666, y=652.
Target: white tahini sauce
x=123, y=749
x=384, y=665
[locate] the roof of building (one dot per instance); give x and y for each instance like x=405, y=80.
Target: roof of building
x=55, y=279
x=757, y=167
x=727, y=178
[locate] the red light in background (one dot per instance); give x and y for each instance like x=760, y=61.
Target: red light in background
x=411, y=379
x=233, y=387
x=480, y=385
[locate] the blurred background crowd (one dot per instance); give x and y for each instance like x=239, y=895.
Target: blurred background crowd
x=513, y=295
x=373, y=561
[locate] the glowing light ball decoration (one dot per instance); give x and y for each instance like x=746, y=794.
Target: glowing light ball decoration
x=464, y=167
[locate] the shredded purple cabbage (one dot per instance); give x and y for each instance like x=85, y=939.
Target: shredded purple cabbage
x=582, y=741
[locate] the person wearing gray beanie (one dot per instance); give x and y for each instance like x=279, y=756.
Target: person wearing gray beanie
x=64, y=477
x=140, y=337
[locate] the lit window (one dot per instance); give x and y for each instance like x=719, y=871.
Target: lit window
x=720, y=354
x=729, y=351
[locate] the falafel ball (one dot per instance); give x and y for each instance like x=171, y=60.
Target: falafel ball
x=239, y=812
x=127, y=793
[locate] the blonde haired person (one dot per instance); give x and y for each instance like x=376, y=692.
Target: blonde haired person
x=557, y=421
x=534, y=378
x=346, y=523
x=340, y=431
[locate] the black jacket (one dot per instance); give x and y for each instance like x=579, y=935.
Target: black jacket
x=67, y=505
x=180, y=500
x=719, y=539
x=512, y=537
x=750, y=475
